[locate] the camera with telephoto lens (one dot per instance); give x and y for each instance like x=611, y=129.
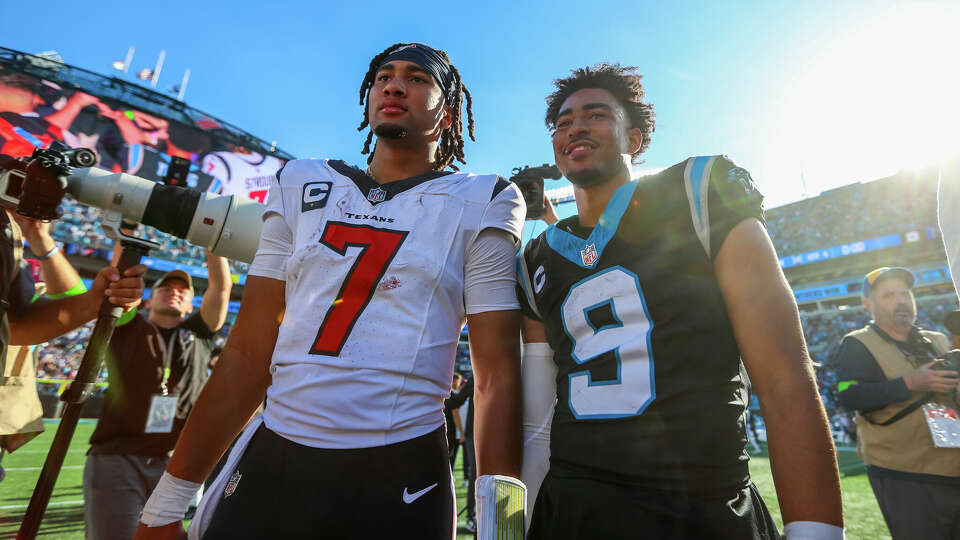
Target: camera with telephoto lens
x=530, y=181
x=226, y=225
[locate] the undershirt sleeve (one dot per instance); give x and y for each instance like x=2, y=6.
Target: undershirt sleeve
x=489, y=273
x=276, y=246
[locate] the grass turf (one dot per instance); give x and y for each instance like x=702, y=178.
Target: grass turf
x=64, y=517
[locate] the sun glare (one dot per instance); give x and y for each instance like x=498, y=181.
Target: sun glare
x=884, y=97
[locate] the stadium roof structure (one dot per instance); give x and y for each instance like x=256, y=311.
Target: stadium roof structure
x=133, y=95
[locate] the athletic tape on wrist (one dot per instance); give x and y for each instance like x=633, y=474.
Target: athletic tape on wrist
x=812, y=530
x=501, y=507
x=169, y=501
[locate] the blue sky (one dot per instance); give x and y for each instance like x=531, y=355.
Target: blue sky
x=837, y=93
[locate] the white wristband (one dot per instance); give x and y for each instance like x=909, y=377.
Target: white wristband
x=48, y=254
x=169, y=501
x=812, y=530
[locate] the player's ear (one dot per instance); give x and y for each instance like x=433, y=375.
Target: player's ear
x=634, y=140
x=447, y=119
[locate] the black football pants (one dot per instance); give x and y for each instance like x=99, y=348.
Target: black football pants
x=288, y=490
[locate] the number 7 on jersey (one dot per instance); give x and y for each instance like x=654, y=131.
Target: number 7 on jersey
x=378, y=248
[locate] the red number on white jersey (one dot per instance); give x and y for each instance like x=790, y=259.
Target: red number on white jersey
x=379, y=248
x=259, y=196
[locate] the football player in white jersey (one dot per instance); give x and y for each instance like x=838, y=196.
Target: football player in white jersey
x=349, y=325
x=241, y=172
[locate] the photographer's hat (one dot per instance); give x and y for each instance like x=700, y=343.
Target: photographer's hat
x=871, y=279
x=175, y=274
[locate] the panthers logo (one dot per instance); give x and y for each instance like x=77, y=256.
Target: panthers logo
x=739, y=174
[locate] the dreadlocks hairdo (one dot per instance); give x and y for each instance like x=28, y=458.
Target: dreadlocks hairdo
x=621, y=81
x=451, y=140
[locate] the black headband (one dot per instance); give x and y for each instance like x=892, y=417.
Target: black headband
x=430, y=60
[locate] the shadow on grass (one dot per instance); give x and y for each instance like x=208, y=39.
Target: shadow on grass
x=57, y=522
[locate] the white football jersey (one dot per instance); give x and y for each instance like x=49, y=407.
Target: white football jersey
x=248, y=175
x=374, y=298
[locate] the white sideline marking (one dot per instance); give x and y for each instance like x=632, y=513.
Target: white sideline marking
x=59, y=503
x=850, y=466
x=39, y=468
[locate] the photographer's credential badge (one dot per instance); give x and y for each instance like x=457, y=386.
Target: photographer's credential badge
x=163, y=409
x=944, y=425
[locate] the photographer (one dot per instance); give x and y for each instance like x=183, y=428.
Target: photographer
x=21, y=423
x=26, y=323
x=164, y=353
x=887, y=371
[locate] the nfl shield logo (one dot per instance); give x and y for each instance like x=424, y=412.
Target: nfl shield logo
x=377, y=195
x=589, y=255
x=231, y=484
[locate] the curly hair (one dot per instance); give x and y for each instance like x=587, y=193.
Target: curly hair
x=621, y=81
x=451, y=140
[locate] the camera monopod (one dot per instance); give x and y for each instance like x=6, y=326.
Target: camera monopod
x=80, y=389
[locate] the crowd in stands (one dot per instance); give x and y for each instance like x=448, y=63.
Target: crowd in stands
x=60, y=358
x=898, y=204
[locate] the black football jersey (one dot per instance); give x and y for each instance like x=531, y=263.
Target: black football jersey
x=650, y=387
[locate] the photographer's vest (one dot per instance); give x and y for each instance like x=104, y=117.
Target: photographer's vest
x=20, y=410
x=905, y=445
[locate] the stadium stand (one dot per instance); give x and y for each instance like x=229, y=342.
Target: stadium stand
x=893, y=205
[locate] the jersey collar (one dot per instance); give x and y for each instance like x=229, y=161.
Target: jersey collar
x=586, y=253
x=377, y=193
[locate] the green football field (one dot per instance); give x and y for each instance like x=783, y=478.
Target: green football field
x=64, y=517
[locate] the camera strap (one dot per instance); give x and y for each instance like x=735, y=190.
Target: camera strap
x=901, y=346
x=903, y=412
x=163, y=404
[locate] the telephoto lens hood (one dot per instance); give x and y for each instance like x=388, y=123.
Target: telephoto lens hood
x=228, y=226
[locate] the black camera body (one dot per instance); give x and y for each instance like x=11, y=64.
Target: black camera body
x=36, y=186
x=949, y=361
x=530, y=182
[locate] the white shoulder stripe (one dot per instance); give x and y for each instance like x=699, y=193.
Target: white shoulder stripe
x=696, y=182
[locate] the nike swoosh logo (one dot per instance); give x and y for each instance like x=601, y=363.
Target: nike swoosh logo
x=410, y=497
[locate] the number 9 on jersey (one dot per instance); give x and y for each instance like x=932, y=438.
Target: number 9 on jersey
x=627, y=336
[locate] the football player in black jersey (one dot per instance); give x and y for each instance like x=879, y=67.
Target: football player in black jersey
x=638, y=313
